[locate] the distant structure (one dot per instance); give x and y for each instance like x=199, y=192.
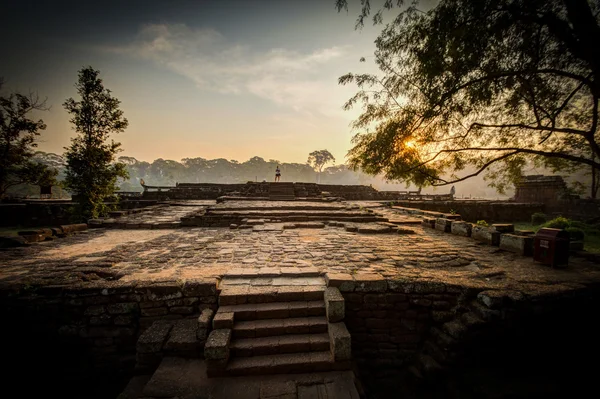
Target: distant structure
x=540, y=189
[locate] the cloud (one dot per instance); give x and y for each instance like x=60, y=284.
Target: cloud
x=288, y=78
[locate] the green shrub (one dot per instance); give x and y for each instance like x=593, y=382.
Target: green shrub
x=482, y=223
x=538, y=218
x=558, y=223
x=575, y=233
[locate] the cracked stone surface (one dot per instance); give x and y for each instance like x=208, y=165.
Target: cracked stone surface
x=153, y=255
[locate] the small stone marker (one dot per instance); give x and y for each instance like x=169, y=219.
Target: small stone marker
x=334, y=305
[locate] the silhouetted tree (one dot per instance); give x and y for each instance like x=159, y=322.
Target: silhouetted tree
x=318, y=159
x=91, y=171
x=493, y=85
x=17, y=140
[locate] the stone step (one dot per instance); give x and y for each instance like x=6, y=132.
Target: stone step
x=294, y=343
x=242, y=294
x=274, y=327
x=286, y=363
x=275, y=310
x=275, y=274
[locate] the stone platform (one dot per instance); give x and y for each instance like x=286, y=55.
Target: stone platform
x=411, y=298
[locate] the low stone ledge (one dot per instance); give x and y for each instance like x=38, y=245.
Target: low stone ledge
x=522, y=245
x=342, y=281
x=182, y=339
x=461, y=228
x=334, y=305
x=152, y=340
x=428, y=222
x=443, y=224
x=72, y=228
x=486, y=235
x=340, y=341
x=504, y=228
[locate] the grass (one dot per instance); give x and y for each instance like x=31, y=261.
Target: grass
x=592, y=234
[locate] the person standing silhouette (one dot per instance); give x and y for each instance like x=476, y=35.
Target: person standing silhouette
x=277, y=174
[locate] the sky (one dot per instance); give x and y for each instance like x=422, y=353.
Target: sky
x=196, y=78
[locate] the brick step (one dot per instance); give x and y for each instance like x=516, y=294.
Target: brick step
x=266, y=214
x=285, y=364
x=294, y=343
x=274, y=327
x=239, y=295
x=275, y=310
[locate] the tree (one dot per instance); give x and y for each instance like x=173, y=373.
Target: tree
x=479, y=85
x=91, y=171
x=18, y=133
x=318, y=159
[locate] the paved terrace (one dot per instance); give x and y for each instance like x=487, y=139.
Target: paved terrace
x=183, y=253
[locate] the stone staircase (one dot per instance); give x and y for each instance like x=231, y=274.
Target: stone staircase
x=292, y=325
x=281, y=191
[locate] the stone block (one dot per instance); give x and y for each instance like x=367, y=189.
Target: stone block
x=370, y=283
x=443, y=224
x=340, y=340
x=522, y=245
x=217, y=345
x=223, y=320
x=344, y=282
x=504, y=228
x=71, y=228
x=485, y=234
x=428, y=222
x=123, y=308
x=199, y=288
x=182, y=339
x=154, y=337
x=160, y=291
x=334, y=305
x=204, y=321
x=461, y=228
x=576, y=246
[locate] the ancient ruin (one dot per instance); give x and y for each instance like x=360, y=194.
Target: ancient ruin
x=291, y=290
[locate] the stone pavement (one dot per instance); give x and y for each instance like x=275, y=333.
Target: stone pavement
x=186, y=378
x=174, y=254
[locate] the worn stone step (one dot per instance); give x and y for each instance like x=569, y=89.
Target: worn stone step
x=242, y=294
x=275, y=310
x=304, y=362
x=294, y=343
x=274, y=275
x=273, y=327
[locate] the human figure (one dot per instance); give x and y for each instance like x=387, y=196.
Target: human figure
x=277, y=174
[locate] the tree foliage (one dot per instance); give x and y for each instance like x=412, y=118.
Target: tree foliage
x=92, y=172
x=18, y=133
x=479, y=85
x=317, y=159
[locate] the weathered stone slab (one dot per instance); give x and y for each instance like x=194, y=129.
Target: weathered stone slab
x=428, y=222
x=71, y=228
x=334, y=305
x=152, y=340
x=486, y=235
x=443, y=224
x=182, y=338
x=223, y=320
x=340, y=340
x=522, y=245
x=504, y=228
x=217, y=345
x=461, y=228
x=344, y=282
x=370, y=283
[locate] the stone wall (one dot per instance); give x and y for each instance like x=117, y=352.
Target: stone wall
x=102, y=320
x=389, y=320
x=472, y=211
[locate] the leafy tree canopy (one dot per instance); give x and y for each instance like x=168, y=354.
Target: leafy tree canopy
x=18, y=133
x=479, y=85
x=92, y=172
x=318, y=159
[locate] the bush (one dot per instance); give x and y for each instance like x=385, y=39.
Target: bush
x=575, y=233
x=558, y=223
x=538, y=218
x=482, y=223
